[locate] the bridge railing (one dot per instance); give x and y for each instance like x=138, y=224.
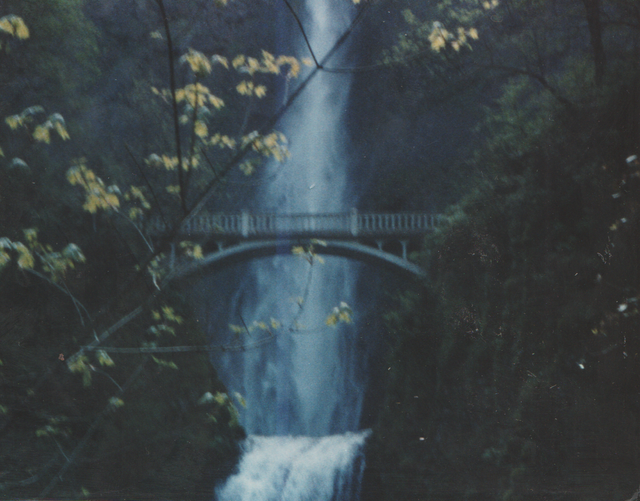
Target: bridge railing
x=278, y=224
x=396, y=223
x=349, y=224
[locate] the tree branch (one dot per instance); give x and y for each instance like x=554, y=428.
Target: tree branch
x=64, y=290
x=539, y=78
x=207, y=192
x=34, y=478
x=97, y=422
x=174, y=104
x=193, y=143
x=146, y=180
x=304, y=35
x=185, y=349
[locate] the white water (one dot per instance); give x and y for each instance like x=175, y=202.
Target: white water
x=298, y=469
x=310, y=381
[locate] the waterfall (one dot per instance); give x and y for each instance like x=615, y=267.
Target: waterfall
x=304, y=391
x=298, y=469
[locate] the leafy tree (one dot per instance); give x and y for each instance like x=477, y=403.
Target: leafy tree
x=70, y=277
x=504, y=363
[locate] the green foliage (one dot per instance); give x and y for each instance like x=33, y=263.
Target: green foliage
x=62, y=67
x=504, y=363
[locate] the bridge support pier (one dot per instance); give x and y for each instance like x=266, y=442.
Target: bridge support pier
x=379, y=243
x=404, y=244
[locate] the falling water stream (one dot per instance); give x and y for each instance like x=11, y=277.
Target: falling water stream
x=305, y=389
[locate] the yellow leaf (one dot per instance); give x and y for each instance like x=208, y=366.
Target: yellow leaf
x=238, y=61
x=14, y=121
x=135, y=213
x=6, y=26
x=228, y=142
x=247, y=168
x=200, y=129
x=216, y=101
x=240, y=399
x=25, y=258
x=41, y=134
x=21, y=30
x=73, y=252
x=292, y=62
x=4, y=258
x=170, y=163
x=221, y=398
x=269, y=63
x=104, y=358
x=252, y=65
x=216, y=59
x=344, y=317
x=62, y=132
x=116, y=402
x=173, y=189
x=112, y=200
x=31, y=235
x=199, y=64
x=14, y=26
x=244, y=88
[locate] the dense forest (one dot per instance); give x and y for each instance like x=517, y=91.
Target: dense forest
x=511, y=372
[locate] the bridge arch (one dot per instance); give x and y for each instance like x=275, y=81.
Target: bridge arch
x=245, y=251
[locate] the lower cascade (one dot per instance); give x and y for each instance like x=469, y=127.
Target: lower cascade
x=298, y=468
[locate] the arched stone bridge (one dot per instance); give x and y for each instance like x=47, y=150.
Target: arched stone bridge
x=378, y=238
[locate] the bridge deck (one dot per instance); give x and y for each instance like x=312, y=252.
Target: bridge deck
x=349, y=225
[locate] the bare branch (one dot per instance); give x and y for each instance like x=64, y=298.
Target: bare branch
x=94, y=426
x=34, y=478
x=174, y=104
x=65, y=290
x=186, y=349
x=304, y=35
x=146, y=180
x=539, y=78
